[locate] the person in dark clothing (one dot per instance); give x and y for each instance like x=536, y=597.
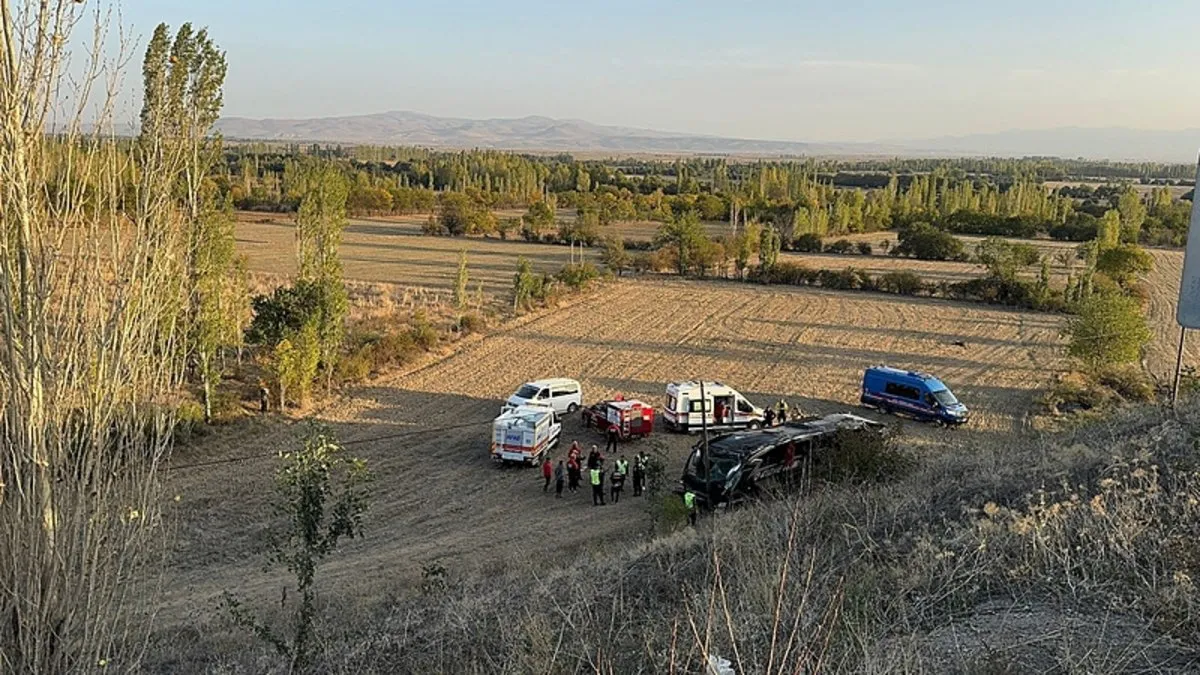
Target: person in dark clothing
x=558, y=480
x=547, y=471
x=639, y=474
x=618, y=483
x=574, y=473
x=613, y=436
x=769, y=418
x=593, y=459
x=264, y=398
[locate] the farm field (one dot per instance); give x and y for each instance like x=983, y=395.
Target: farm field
x=395, y=251
x=425, y=433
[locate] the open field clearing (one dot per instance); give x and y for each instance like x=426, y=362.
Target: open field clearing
x=1163, y=284
x=425, y=433
x=931, y=271
x=394, y=251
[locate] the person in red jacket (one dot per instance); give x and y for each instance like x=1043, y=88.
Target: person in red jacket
x=547, y=472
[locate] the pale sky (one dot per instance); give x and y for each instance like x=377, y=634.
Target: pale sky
x=844, y=70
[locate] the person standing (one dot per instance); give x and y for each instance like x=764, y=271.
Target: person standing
x=769, y=418
x=558, y=480
x=618, y=482
x=264, y=398
x=782, y=411
x=593, y=460
x=574, y=472
x=639, y=474
x=719, y=409
x=547, y=470
x=614, y=434
x=597, y=479
x=689, y=503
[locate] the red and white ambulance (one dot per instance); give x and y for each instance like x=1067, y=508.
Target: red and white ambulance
x=686, y=410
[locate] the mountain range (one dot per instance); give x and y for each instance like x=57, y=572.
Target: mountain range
x=536, y=133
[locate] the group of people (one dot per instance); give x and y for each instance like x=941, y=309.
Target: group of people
x=776, y=415
x=569, y=473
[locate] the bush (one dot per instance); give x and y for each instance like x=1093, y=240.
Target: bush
x=864, y=248
x=902, y=283
x=433, y=228
x=975, y=222
x=577, y=277
x=790, y=273
x=840, y=280
x=840, y=247
x=863, y=457
x=1079, y=227
x=1129, y=382
x=285, y=311
x=923, y=241
x=996, y=290
x=807, y=243
x=471, y=323
x=189, y=420
x=1108, y=329
x=421, y=331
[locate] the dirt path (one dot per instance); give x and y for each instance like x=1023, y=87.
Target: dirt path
x=438, y=497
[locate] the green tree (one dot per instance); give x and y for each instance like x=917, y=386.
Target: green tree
x=1108, y=329
x=769, y=244
x=320, y=220
x=682, y=234
x=1108, y=231
x=321, y=497
x=925, y=242
x=1124, y=263
x=538, y=219
x=525, y=285
x=614, y=256
x=461, y=279
x=182, y=82
x=1132, y=212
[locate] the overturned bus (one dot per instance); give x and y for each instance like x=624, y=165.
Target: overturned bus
x=742, y=463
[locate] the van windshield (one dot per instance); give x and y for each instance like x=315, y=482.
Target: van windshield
x=944, y=397
x=528, y=391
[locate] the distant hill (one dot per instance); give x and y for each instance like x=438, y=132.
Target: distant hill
x=549, y=134
x=524, y=133
x=1114, y=143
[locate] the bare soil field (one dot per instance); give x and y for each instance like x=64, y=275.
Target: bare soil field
x=1163, y=284
x=395, y=251
x=425, y=433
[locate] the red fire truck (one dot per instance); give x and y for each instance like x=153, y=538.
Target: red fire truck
x=632, y=418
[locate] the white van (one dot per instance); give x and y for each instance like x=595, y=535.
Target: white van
x=684, y=409
x=524, y=435
x=560, y=393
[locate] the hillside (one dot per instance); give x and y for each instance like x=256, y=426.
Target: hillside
x=535, y=133
x=1072, y=552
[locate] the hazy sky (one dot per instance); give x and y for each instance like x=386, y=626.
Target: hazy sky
x=854, y=70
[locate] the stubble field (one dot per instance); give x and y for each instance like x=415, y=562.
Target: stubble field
x=425, y=433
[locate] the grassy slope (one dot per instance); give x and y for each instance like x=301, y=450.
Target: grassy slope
x=1074, y=552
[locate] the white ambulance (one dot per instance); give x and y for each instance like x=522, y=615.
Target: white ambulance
x=524, y=434
x=685, y=410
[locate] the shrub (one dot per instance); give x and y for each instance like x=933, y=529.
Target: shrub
x=1079, y=227
x=863, y=457
x=996, y=290
x=807, y=243
x=422, y=332
x=472, y=323
x=284, y=312
x=189, y=420
x=841, y=280
x=923, y=241
x=790, y=273
x=433, y=228
x=864, y=248
x=902, y=282
x=1108, y=329
x=840, y=247
x=1128, y=381
x=577, y=277
x=641, y=262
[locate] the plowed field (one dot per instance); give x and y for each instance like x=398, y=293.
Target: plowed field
x=425, y=433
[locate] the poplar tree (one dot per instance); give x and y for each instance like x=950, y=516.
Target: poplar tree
x=320, y=220
x=182, y=79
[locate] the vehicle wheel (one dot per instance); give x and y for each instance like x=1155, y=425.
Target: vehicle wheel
x=754, y=426
x=572, y=408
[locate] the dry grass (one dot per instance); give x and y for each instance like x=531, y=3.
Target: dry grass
x=1067, y=553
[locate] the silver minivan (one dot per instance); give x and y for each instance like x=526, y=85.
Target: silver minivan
x=564, y=395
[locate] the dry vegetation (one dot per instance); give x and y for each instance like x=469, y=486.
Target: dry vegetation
x=393, y=251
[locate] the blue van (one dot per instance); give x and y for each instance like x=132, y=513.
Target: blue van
x=918, y=395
